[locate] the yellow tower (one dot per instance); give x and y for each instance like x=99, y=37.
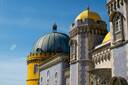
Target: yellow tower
x=33, y=62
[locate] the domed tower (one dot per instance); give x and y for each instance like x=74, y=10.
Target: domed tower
x=45, y=47
x=86, y=32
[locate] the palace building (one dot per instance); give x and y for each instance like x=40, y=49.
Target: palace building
x=90, y=55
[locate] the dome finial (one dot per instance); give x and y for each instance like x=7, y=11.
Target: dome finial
x=88, y=8
x=54, y=28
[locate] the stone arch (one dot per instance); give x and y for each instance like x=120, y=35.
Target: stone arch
x=118, y=81
x=113, y=14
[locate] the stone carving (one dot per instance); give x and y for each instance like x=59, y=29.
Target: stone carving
x=118, y=81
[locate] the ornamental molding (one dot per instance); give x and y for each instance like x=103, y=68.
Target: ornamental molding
x=110, y=2
x=119, y=44
x=90, y=29
x=101, y=56
x=82, y=61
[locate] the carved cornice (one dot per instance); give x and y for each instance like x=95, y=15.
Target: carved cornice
x=119, y=44
x=82, y=61
x=92, y=29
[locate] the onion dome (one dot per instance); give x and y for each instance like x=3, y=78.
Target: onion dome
x=87, y=14
x=107, y=38
x=54, y=42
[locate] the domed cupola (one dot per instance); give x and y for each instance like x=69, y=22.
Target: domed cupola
x=54, y=42
x=89, y=23
x=89, y=18
x=88, y=14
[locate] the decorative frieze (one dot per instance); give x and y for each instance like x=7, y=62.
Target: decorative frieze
x=114, y=5
x=82, y=27
x=101, y=56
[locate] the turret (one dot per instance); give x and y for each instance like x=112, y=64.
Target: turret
x=86, y=32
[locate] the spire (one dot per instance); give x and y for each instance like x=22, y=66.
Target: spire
x=54, y=27
x=88, y=8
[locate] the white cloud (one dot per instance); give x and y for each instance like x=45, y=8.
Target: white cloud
x=13, y=47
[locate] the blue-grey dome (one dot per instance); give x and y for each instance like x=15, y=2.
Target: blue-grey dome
x=52, y=42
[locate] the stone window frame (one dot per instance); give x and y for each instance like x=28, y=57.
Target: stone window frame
x=117, y=25
x=73, y=44
x=117, y=22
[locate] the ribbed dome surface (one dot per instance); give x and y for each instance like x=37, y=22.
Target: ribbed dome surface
x=52, y=42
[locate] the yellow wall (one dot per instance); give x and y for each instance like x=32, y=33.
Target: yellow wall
x=32, y=60
x=32, y=78
x=31, y=74
x=32, y=82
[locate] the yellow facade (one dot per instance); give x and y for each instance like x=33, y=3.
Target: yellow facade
x=33, y=75
x=32, y=78
x=33, y=62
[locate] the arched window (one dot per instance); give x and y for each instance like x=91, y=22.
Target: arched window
x=56, y=75
x=48, y=73
x=36, y=69
x=48, y=77
x=104, y=82
x=56, y=78
x=41, y=80
x=117, y=22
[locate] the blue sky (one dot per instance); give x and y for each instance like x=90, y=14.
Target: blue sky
x=22, y=22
